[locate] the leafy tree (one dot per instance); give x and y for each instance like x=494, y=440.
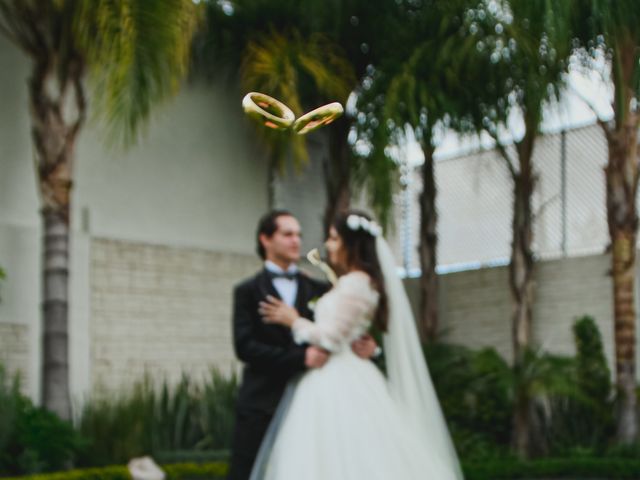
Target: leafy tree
x=420, y=84
x=529, y=48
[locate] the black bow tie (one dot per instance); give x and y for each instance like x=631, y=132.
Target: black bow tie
x=287, y=275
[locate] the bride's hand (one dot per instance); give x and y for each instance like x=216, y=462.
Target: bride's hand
x=276, y=311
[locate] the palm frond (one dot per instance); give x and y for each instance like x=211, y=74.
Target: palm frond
x=287, y=66
x=138, y=53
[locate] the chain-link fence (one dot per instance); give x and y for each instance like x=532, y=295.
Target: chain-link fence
x=475, y=195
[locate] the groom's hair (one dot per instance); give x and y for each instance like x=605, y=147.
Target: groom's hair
x=267, y=226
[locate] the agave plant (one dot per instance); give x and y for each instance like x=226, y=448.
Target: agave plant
x=217, y=410
x=160, y=419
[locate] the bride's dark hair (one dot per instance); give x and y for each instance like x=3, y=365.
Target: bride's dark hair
x=360, y=247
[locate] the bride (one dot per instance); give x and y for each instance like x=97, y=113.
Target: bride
x=347, y=421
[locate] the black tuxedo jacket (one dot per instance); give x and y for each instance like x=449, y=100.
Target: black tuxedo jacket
x=270, y=355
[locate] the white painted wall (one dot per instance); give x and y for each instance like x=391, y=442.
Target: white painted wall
x=197, y=180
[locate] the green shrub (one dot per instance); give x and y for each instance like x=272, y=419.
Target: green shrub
x=9, y=399
x=538, y=380
x=32, y=439
x=473, y=388
x=624, y=451
x=583, y=422
x=44, y=442
x=594, y=376
x=478, y=391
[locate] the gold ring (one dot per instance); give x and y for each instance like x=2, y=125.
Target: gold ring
x=271, y=112
x=317, y=118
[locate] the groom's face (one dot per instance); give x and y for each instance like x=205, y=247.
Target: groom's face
x=283, y=247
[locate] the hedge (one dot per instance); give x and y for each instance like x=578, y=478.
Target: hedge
x=178, y=471
x=569, y=468
x=582, y=468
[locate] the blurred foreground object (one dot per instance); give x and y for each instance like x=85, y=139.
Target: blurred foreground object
x=144, y=468
x=314, y=257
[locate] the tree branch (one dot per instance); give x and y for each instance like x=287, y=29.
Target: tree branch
x=544, y=206
x=504, y=154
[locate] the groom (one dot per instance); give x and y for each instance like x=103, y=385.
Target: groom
x=269, y=353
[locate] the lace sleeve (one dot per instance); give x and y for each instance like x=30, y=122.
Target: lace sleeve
x=355, y=301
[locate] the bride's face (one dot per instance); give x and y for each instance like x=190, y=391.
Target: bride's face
x=336, y=251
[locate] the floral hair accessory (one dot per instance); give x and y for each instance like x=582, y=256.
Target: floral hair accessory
x=357, y=222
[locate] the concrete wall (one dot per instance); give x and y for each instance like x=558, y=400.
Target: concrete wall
x=167, y=310
x=475, y=305
x=14, y=351
x=160, y=310
x=20, y=302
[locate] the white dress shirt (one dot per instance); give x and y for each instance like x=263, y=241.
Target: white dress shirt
x=287, y=289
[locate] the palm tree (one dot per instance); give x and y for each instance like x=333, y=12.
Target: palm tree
x=135, y=52
x=364, y=30
x=612, y=30
x=420, y=78
x=281, y=64
x=309, y=52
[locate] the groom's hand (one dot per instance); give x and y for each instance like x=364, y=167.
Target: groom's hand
x=315, y=357
x=365, y=347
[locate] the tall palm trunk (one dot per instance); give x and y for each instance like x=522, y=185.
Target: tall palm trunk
x=622, y=216
x=55, y=126
x=428, y=249
x=55, y=275
x=337, y=172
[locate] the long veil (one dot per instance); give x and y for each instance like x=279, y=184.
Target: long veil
x=409, y=380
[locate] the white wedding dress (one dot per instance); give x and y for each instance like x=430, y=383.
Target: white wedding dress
x=346, y=421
